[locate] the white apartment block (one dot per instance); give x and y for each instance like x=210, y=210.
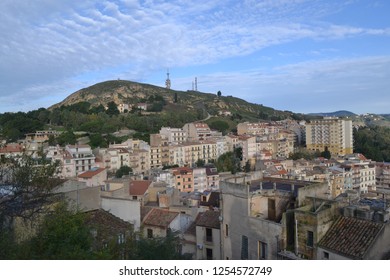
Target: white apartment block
x=174, y=135
x=82, y=156
x=334, y=133
x=200, y=179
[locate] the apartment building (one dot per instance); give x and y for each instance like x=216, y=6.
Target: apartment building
x=261, y=128
x=333, y=133
x=197, y=131
x=174, y=135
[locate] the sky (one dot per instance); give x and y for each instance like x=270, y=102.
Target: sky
x=298, y=55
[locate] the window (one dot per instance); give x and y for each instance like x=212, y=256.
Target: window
x=150, y=233
x=262, y=250
x=310, y=238
x=226, y=230
x=134, y=197
x=209, y=254
x=121, y=238
x=325, y=255
x=244, y=248
x=209, y=235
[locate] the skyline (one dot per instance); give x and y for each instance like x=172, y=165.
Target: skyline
x=301, y=56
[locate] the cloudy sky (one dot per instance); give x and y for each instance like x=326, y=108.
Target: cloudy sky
x=298, y=55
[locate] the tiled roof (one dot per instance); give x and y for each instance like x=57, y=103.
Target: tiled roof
x=11, y=148
x=160, y=218
x=209, y=219
x=351, y=237
x=139, y=187
x=91, y=173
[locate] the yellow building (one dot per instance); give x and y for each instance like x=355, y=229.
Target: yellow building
x=331, y=132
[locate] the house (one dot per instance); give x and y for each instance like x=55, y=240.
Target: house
x=138, y=190
x=106, y=228
x=94, y=177
x=11, y=150
x=208, y=235
x=159, y=222
x=184, y=180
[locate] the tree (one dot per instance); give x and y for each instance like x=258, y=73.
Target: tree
x=63, y=235
x=219, y=93
x=112, y=109
x=123, y=170
x=175, y=100
x=326, y=153
x=220, y=126
x=26, y=187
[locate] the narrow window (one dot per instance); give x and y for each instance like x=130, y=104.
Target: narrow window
x=310, y=238
x=244, y=248
x=262, y=250
x=209, y=235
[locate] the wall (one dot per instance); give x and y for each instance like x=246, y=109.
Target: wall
x=235, y=211
x=126, y=209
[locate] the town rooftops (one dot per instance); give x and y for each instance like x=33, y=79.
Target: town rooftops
x=160, y=218
x=139, y=187
x=351, y=237
x=91, y=173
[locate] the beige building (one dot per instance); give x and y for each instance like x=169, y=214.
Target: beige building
x=333, y=133
x=197, y=131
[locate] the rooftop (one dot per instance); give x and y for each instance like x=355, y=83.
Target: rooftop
x=209, y=219
x=351, y=237
x=160, y=218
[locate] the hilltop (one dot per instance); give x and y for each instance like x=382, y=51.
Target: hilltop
x=128, y=92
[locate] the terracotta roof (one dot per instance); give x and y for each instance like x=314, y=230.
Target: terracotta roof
x=351, y=237
x=91, y=173
x=139, y=187
x=209, y=219
x=160, y=218
x=12, y=148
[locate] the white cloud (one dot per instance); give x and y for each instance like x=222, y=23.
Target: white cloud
x=47, y=42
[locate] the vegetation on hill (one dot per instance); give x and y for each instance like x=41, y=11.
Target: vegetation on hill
x=94, y=110
x=373, y=142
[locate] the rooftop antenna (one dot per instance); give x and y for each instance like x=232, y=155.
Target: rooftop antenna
x=168, y=81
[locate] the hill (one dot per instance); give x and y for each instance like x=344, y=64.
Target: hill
x=342, y=113
x=128, y=92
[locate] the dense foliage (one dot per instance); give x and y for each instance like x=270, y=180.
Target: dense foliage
x=80, y=117
x=373, y=142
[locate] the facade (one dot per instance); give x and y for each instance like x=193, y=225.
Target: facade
x=81, y=157
x=208, y=236
x=184, y=179
x=174, y=135
x=197, y=131
x=333, y=133
x=94, y=177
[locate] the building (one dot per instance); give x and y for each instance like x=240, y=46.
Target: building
x=197, y=131
x=351, y=238
x=184, y=179
x=174, y=135
x=208, y=236
x=332, y=133
x=94, y=177
x=81, y=158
